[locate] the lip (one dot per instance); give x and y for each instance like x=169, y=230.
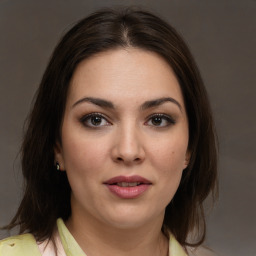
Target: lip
x=134, y=178
x=128, y=192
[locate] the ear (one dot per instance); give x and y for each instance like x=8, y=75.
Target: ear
x=187, y=159
x=58, y=156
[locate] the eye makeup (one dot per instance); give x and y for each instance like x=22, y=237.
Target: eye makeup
x=94, y=120
x=160, y=120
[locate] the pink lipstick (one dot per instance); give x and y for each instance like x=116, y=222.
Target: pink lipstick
x=128, y=187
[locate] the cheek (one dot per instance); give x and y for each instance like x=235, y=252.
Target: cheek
x=84, y=160
x=83, y=155
x=169, y=155
x=168, y=158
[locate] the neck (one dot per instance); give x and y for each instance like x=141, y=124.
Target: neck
x=99, y=239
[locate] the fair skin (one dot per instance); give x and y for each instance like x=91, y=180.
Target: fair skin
x=124, y=116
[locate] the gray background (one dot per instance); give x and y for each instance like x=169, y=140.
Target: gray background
x=222, y=37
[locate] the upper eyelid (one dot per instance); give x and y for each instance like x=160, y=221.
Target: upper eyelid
x=162, y=115
x=107, y=118
x=84, y=117
x=96, y=114
x=159, y=114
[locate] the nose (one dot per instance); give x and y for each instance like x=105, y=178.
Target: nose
x=128, y=147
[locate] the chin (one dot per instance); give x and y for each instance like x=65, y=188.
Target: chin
x=133, y=219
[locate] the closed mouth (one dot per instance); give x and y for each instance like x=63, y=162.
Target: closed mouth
x=128, y=181
x=127, y=184
x=128, y=187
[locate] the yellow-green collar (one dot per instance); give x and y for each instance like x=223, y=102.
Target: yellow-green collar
x=72, y=248
x=69, y=243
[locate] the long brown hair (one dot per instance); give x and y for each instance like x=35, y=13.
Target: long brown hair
x=47, y=191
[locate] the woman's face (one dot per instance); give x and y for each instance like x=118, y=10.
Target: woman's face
x=124, y=138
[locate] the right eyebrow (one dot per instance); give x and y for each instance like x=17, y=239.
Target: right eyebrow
x=96, y=101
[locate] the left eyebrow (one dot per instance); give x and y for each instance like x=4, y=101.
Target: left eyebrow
x=158, y=102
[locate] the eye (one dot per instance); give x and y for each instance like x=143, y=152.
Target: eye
x=160, y=120
x=94, y=120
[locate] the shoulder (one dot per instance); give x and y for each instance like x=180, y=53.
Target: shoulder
x=21, y=245
x=201, y=251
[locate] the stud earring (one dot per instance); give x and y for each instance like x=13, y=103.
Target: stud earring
x=57, y=166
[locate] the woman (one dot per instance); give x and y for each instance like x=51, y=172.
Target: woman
x=120, y=148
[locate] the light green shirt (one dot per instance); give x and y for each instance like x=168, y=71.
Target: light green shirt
x=25, y=245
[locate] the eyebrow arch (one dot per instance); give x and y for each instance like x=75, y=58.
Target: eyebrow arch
x=96, y=101
x=110, y=105
x=158, y=102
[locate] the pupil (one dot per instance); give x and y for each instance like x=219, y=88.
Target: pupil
x=157, y=120
x=96, y=120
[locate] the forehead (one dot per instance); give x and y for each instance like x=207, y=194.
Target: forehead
x=124, y=74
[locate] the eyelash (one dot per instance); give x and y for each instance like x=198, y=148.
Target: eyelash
x=170, y=120
x=167, y=118
x=86, y=118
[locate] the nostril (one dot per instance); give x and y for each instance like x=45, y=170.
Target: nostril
x=120, y=159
